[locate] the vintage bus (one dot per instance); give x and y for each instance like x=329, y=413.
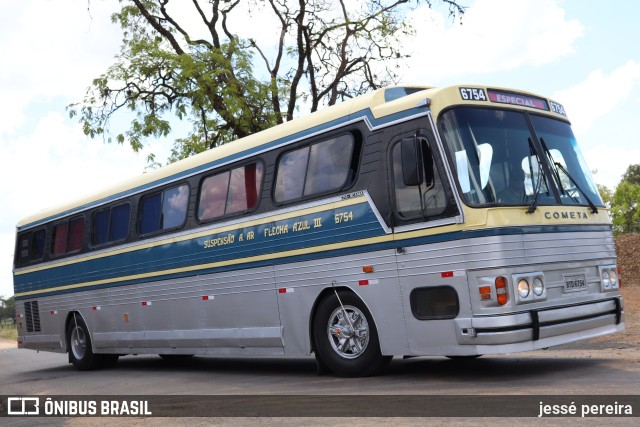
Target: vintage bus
x=457, y=221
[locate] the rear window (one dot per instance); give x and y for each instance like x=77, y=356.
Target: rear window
x=30, y=247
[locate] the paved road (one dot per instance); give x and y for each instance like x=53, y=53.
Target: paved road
x=608, y=369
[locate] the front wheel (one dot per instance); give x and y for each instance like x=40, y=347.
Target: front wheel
x=346, y=338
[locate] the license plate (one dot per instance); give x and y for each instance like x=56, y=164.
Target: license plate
x=575, y=283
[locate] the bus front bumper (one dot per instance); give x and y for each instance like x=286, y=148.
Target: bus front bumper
x=534, y=329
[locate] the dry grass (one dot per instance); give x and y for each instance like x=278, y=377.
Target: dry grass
x=8, y=332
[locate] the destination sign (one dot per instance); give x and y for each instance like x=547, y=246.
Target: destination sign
x=517, y=99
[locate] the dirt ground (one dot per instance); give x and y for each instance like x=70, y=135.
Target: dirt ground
x=628, y=251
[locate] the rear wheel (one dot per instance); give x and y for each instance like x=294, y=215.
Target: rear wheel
x=79, y=345
x=346, y=338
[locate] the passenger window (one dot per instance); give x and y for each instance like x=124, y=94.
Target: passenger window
x=230, y=192
x=428, y=199
x=67, y=237
x=37, y=244
x=163, y=210
x=111, y=224
x=320, y=168
x=30, y=247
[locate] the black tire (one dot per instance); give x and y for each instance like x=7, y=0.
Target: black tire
x=175, y=357
x=461, y=358
x=79, y=346
x=346, y=352
x=108, y=360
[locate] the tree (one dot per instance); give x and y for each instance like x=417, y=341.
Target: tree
x=8, y=308
x=605, y=194
x=632, y=174
x=625, y=205
x=229, y=83
x=625, y=208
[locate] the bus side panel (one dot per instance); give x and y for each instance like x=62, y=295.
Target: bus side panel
x=222, y=313
x=427, y=272
x=300, y=284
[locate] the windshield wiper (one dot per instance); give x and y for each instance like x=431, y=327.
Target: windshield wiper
x=536, y=189
x=559, y=165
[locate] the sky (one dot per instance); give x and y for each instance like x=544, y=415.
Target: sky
x=581, y=53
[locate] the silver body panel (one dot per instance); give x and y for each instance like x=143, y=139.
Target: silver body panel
x=244, y=313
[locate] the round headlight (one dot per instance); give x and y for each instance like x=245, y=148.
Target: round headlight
x=606, y=282
x=523, y=288
x=538, y=287
x=613, y=277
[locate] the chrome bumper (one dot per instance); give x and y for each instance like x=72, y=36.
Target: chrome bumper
x=544, y=327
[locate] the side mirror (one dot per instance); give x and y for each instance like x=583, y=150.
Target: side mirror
x=411, y=154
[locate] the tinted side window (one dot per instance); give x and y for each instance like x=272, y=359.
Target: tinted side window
x=37, y=244
x=30, y=247
x=111, y=224
x=163, y=210
x=320, y=168
x=230, y=192
x=67, y=237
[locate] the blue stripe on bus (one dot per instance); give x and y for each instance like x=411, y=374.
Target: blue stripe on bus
x=316, y=229
x=438, y=238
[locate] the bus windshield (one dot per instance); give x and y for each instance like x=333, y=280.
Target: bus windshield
x=498, y=161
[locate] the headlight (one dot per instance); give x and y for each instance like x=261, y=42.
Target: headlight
x=606, y=280
x=613, y=278
x=538, y=286
x=523, y=288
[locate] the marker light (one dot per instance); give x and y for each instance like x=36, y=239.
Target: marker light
x=501, y=290
x=485, y=292
x=619, y=277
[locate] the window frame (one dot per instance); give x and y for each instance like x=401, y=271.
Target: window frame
x=354, y=166
x=229, y=170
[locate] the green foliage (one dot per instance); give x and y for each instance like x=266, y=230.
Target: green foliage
x=626, y=208
x=8, y=308
x=605, y=194
x=632, y=174
x=625, y=205
x=229, y=86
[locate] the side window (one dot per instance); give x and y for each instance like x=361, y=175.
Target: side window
x=111, y=224
x=163, y=210
x=429, y=198
x=31, y=247
x=230, y=192
x=323, y=167
x=67, y=237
